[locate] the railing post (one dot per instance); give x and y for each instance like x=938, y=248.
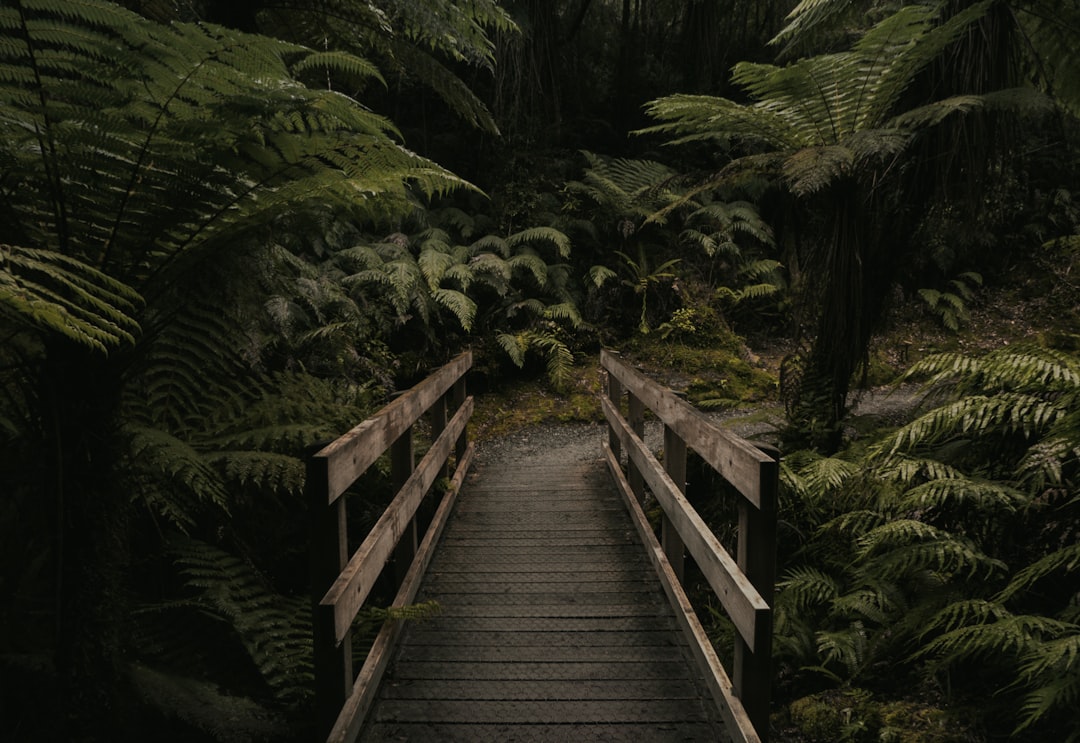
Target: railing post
x=402, y=464
x=756, y=557
x=614, y=393
x=458, y=395
x=328, y=555
x=675, y=466
x=438, y=417
x=636, y=419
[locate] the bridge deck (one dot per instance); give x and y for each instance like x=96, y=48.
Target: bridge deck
x=554, y=626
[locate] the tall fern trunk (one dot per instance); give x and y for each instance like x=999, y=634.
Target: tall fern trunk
x=855, y=270
x=79, y=396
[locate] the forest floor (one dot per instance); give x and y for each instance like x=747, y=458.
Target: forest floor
x=568, y=426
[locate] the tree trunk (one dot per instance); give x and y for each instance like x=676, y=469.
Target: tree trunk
x=857, y=272
x=79, y=397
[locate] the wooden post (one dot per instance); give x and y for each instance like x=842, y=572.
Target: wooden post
x=756, y=557
x=402, y=464
x=328, y=555
x=614, y=393
x=636, y=419
x=438, y=417
x=675, y=466
x=458, y=396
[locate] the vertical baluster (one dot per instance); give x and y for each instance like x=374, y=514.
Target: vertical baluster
x=756, y=557
x=614, y=393
x=636, y=419
x=675, y=466
x=328, y=554
x=402, y=463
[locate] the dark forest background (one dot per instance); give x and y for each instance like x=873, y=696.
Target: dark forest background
x=233, y=230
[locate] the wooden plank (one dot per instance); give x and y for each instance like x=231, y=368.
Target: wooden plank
x=738, y=722
x=740, y=599
x=620, y=689
x=566, y=672
x=352, y=453
x=348, y=723
x=420, y=634
x=406, y=732
x=557, y=712
x=738, y=461
x=658, y=621
x=543, y=629
x=513, y=654
x=351, y=588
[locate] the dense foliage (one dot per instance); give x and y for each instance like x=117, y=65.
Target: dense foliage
x=221, y=244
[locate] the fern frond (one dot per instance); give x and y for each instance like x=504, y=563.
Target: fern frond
x=56, y=294
x=459, y=304
x=814, y=169
x=879, y=605
x=191, y=478
x=559, y=357
x=340, y=62
x=904, y=546
x=275, y=630
x=982, y=496
x=531, y=263
x=566, y=311
x=514, y=346
x=434, y=264
x=803, y=588
x=978, y=629
x=849, y=647
x=1055, y=657
x=976, y=415
x=1066, y=559
x=491, y=244
x=1060, y=693
x=266, y=470
x=534, y=235
x=829, y=473
x=600, y=275
x=857, y=522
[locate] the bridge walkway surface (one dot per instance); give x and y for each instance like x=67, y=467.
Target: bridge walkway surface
x=554, y=625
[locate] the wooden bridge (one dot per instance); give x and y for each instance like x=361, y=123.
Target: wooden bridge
x=562, y=614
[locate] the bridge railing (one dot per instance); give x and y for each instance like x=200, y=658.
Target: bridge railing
x=744, y=585
x=341, y=582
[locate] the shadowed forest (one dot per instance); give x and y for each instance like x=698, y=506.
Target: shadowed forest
x=231, y=231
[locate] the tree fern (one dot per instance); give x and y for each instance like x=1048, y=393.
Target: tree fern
x=275, y=630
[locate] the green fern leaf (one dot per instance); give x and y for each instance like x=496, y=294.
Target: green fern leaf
x=463, y=308
x=514, y=346
x=535, y=235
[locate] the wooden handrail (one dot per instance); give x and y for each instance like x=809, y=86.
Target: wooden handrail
x=744, y=585
x=341, y=582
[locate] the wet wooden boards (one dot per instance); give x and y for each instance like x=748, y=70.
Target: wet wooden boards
x=554, y=626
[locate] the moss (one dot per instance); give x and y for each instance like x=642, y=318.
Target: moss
x=716, y=376
x=527, y=403
x=917, y=722
x=854, y=716
x=836, y=716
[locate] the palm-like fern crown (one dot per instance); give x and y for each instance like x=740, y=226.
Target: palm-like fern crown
x=129, y=144
x=413, y=39
x=828, y=113
x=1043, y=33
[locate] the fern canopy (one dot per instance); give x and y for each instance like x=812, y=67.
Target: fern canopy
x=129, y=145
